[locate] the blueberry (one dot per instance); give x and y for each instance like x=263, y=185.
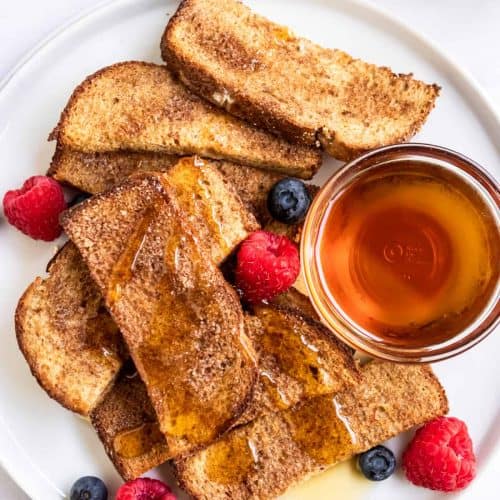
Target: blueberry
x=377, y=464
x=78, y=199
x=88, y=488
x=289, y=200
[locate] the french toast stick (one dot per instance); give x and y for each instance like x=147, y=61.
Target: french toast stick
x=138, y=106
x=68, y=301
x=260, y=71
x=182, y=322
x=261, y=460
x=286, y=376
x=127, y=426
x=295, y=300
x=98, y=172
x=298, y=359
x=71, y=344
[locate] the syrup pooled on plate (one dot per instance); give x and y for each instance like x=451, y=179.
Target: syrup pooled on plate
x=410, y=256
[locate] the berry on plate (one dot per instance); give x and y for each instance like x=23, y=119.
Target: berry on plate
x=144, y=488
x=377, y=464
x=289, y=200
x=267, y=264
x=88, y=488
x=34, y=209
x=440, y=456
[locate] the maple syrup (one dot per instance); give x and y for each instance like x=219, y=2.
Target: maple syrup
x=342, y=481
x=273, y=390
x=189, y=180
x=136, y=442
x=231, y=459
x=296, y=355
x=188, y=304
x=124, y=268
x=320, y=429
x=410, y=254
x=317, y=427
x=103, y=335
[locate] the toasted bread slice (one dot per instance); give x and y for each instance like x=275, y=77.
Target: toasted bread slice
x=298, y=359
x=281, y=374
x=295, y=300
x=182, y=322
x=253, y=186
x=139, y=106
x=98, y=172
x=260, y=71
x=127, y=426
x=211, y=205
x=264, y=458
x=71, y=344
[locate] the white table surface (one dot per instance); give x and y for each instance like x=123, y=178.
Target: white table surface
x=468, y=30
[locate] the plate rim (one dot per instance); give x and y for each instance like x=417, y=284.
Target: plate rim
x=427, y=44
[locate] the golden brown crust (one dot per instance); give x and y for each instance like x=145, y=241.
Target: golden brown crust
x=72, y=347
x=139, y=106
x=126, y=408
x=351, y=107
x=200, y=294
x=302, y=346
x=253, y=186
x=391, y=398
x=98, y=172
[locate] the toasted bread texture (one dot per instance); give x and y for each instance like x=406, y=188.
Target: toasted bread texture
x=264, y=458
x=295, y=300
x=71, y=344
x=181, y=320
x=211, y=205
x=139, y=106
x=298, y=359
x=98, y=172
x=253, y=186
x=126, y=424
x=127, y=411
x=262, y=72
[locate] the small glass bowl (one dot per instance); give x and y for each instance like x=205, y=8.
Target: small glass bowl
x=331, y=313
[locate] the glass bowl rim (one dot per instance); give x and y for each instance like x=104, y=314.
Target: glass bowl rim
x=337, y=321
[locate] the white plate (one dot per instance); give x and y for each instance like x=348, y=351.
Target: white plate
x=44, y=447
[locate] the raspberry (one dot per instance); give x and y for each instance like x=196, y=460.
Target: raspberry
x=267, y=264
x=144, y=488
x=34, y=209
x=440, y=456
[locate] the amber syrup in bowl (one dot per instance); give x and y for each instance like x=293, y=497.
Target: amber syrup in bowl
x=401, y=253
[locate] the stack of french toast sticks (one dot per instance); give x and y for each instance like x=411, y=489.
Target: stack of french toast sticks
x=136, y=326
